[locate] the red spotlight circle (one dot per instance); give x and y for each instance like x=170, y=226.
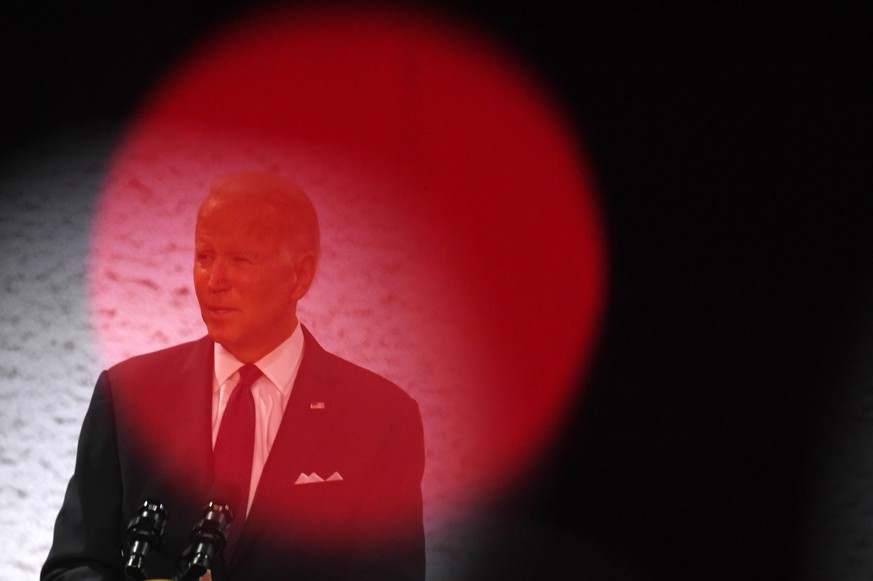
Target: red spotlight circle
x=463, y=252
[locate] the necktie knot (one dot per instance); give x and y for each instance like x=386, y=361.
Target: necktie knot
x=248, y=375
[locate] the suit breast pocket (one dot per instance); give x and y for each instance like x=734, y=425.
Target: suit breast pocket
x=317, y=510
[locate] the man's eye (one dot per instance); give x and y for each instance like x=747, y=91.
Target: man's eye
x=242, y=260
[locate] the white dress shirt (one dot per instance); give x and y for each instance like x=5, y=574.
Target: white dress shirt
x=271, y=392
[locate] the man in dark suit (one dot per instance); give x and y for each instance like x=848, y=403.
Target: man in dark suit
x=332, y=454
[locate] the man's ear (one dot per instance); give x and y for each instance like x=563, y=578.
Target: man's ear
x=304, y=268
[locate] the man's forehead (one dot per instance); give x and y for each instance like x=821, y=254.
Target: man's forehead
x=257, y=208
x=235, y=225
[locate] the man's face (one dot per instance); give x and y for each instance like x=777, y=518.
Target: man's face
x=244, y=277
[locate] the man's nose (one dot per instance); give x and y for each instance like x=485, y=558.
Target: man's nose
x=218, y=279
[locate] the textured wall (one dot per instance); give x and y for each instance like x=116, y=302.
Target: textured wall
x=47, y=361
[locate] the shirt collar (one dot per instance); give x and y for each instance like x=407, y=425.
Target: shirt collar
x=279, y=365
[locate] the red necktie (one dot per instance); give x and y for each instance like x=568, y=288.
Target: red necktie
x=234, y=446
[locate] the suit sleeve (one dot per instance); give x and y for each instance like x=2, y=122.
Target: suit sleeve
x=87, y=534
x=394, y=517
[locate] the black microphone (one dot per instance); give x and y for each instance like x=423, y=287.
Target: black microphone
x=146, y=529
x=210, y=532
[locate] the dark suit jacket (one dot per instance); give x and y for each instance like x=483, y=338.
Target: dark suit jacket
x=149, y=428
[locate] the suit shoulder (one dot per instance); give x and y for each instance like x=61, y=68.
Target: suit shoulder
x=167, y=361
x=365, y=386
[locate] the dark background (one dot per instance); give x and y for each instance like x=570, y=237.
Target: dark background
x=724, y=142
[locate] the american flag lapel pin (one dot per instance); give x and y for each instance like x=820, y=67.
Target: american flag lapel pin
x=316, y=405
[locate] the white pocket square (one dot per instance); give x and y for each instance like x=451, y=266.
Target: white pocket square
x=315, y=478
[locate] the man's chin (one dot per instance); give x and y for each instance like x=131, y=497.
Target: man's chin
x=221, y=336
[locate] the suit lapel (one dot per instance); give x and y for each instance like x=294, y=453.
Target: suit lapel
x=171, y=409
x=195, y=391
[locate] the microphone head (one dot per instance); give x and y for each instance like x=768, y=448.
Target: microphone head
x=209, y=536
x=148, y=524
x=146, y=528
